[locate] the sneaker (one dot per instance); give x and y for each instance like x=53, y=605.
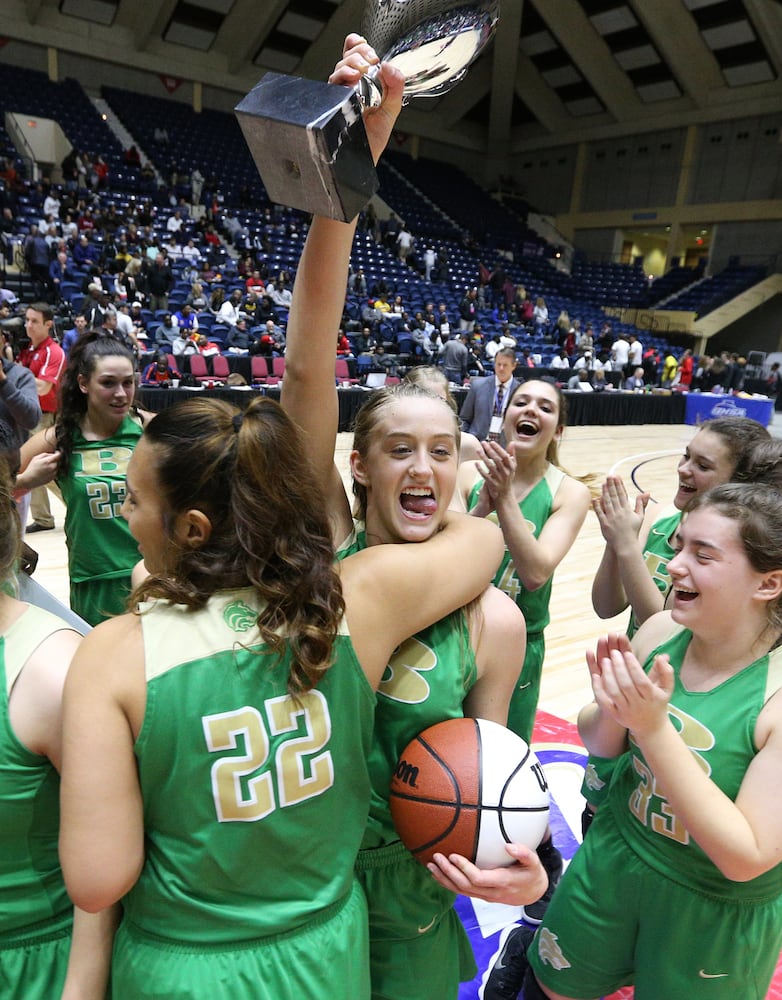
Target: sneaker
x=586, y=821
x=551, y=860
x=507, y=974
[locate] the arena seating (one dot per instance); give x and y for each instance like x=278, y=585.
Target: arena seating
x=440, y=204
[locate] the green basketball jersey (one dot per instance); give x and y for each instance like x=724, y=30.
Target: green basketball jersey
x=426, y=681
x=100, y=545
x=658, y=552
x=254, y=802
x=718, y=726
x=32, y=891
x=536, y=508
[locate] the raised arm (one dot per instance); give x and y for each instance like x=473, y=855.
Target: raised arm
x=415, y=585
x=534, y=559
x=622, y=577
x=600, y=733
x=309, y=392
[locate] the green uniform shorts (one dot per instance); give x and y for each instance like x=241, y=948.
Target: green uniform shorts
x=418, y=947
x=33, y=967
x=526, y=693
x=614, y=921
x=328, y=957
x=97, y=600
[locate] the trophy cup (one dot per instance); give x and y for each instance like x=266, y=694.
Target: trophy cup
x=307, y=138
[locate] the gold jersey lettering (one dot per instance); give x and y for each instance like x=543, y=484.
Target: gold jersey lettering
x=302, y=765
x=304, y=768
x=238, y=797
x=96, y=462
x=403, y=680
x=647, y=803
x=657, y=566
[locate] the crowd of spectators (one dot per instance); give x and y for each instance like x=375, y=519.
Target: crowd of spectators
x=170, y=281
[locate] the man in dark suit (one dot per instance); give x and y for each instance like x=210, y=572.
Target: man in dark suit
x=484, y=408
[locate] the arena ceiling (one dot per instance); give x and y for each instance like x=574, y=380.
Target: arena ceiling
x=558, y=71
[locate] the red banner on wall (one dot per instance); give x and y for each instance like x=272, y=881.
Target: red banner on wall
x=171, y=83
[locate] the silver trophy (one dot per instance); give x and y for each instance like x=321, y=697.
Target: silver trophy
x=307, y=138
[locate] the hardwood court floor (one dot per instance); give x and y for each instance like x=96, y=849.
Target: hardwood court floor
x=574, y=626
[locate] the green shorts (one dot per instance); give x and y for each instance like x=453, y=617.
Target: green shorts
x=33, y=967
x=526, y=693
x=417, y=944
x=328, y=957
x=597, y=778
x=97, y=600
x=614, y=921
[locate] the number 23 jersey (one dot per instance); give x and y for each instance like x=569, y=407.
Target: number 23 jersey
x=718, y=727
x=100, y=545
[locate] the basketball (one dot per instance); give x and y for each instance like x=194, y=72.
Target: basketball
x=469, y=786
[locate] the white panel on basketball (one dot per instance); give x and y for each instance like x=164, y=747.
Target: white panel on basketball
x=514, y=795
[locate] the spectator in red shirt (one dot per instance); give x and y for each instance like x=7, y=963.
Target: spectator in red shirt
x=255, y=283
x=46, y=361
x=685, y=369
x=344, y=349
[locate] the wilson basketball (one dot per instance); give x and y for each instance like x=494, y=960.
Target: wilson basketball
x=469, y=786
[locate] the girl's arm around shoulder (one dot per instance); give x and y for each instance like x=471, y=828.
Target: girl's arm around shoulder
x=500, y=643
x=764, y=810
x=415, y=585
x=102, y=831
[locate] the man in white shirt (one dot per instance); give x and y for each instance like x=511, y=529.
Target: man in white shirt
x=51, y=205
x=229, y=311
x=174, y=222
x=429, y=261
x=280, y=295
x=620, y=353
x=493, y=347
x=635, y=355
x=585, y=360
x=404, y=242
x=191, y=253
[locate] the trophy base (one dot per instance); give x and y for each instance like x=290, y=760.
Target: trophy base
x=308, y=142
